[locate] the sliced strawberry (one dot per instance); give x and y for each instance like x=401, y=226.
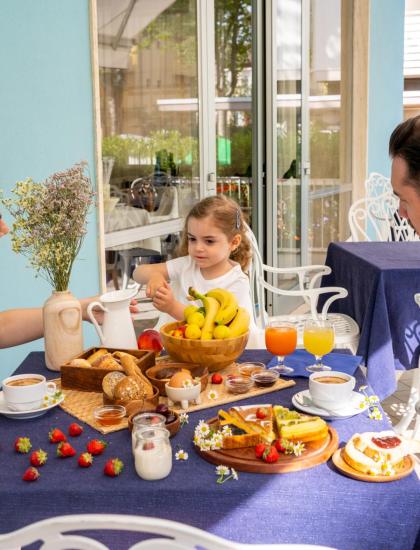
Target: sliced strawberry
x=113, y=467
x=23, y=445
x=56, y=436
x=31, y=474
x=96, y=446
x=261, y=413
x=270, y=454
x=85, y=460
x=75, y=429
x=38, y=458
x=65, y=450
x=259, y=449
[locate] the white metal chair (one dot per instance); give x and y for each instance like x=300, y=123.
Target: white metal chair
x=413, y=403
x=54, y=533
x=308, y=277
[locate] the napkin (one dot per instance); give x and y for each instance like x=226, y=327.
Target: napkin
x=300, y=359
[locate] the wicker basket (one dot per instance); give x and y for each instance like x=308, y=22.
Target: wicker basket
x=214, y=354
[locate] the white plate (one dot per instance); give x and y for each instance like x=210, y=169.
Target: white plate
x=302, y=401
x=24, y=415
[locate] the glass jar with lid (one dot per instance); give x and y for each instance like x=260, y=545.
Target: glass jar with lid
x=152, y=453
x=146, y=420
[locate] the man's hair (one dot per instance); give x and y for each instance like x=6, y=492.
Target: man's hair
x=405, y=143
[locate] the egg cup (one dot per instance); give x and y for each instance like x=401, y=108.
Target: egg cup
x=183, y=395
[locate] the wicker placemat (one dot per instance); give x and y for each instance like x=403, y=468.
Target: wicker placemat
x=81, y=403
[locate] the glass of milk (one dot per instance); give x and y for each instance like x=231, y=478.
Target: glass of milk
x=152, y=453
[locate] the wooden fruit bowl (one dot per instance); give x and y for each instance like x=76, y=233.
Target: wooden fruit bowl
x=214, y=354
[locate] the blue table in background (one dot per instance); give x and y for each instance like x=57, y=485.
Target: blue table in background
x=314, y=506
x=381, y=279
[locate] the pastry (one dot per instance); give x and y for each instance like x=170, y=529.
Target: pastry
x=79, y=363
x=242, y=434
x=92, y=358
x=106, y=361
x=295, y=426
x=261, y=426
x=375, y=453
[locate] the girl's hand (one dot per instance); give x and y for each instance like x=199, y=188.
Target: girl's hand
x=155, y=282
x=163, y=299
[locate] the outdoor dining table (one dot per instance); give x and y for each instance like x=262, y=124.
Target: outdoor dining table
x=381, y=279
x=313, y=506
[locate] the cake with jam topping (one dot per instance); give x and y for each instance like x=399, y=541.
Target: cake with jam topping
x=375, y=453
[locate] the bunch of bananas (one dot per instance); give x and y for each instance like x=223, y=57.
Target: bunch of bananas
x=219, y=318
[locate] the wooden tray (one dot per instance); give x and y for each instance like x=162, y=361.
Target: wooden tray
x=89, y=379
x=347, y=470
x=244, y=460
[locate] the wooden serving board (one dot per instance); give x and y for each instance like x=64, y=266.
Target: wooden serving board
x=347, y=470
x=244, y=460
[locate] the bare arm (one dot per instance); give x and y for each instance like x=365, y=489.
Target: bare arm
x=154, y=275
x=18, y=326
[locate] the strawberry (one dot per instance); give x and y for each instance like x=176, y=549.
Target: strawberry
x=23, y=445
x=259, y=449
x=38, y=458
x=113, y=467
x=31, y=474
x=85, y=460
x=96, y=446
x=75, y=429
x=270, y=454
x=279, y=446
x=56, y=436
x=261, y=413
x=65, y=450
x=216, y=378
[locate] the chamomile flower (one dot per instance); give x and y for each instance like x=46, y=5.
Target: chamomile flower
x=234, y=474
x=375, y=414
x=181, y=455
x=212, y=394
x=187, y=384
x=226, y=431
x=183, y=419
x=298, y=448
x=202, y=428
x=222, y=470
x=373, y=399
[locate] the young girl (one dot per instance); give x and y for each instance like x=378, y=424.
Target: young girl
x=214, y=251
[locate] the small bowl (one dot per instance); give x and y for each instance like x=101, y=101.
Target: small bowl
x=238, y=384
x=109, y=415
x=172, y=427
x=246, y=369
x=183, y=395
x=265, y=379
x=160, y=374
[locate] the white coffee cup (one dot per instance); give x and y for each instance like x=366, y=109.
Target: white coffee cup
x=25, y=392
x=331, y=389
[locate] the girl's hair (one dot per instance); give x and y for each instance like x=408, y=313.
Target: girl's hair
x=227, y=216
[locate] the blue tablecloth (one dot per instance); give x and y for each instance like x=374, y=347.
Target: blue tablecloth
x=381, y=279
x=300, y=359
x=314, y=506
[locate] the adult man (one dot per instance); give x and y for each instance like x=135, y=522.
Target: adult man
x=404, y=149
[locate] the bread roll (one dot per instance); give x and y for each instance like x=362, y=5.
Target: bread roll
x=107, y=362
x=109, y=383
x=92, y=358
x=79, y=363
x=131, y=369
x=128, y=389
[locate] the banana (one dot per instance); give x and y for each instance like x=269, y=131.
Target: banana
x=228, y=305
x=211, y=306
x=240, y=323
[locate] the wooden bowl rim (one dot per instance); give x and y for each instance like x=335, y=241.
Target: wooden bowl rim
x=168, y=365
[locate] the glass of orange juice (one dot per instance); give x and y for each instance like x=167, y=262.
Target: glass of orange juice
x=281, y=340
x=318, y=339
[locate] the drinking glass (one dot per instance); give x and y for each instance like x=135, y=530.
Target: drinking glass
x=318, y=339
x=281, y=340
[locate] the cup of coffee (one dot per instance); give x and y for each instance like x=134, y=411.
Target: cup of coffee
x=25, y=392
x=331, y=389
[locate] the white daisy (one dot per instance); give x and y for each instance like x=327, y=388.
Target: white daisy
x=373, y=399
x=234, y=474
x=375, y=414
x=222, y=470
x=212, y=394
x=226, y=431
x=183, y=418
x=187, y=384
x=181, y=455
x=202, y=428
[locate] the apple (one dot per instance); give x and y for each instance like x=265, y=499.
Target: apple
x=150, y=339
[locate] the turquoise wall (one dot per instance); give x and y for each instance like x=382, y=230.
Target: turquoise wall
x=46, y=121
x=386, y=84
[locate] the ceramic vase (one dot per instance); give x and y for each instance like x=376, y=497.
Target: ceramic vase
x=63, y=336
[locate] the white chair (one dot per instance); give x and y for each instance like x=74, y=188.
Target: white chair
x=413, y=403
x=54, y=532
x=308, y=277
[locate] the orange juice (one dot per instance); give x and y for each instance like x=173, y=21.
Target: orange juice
x=318, y=340
x=281, y=340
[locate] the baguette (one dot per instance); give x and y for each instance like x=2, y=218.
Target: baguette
x=92, y=358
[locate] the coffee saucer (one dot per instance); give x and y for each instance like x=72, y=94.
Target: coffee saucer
x=302, y=401
x=50, y=403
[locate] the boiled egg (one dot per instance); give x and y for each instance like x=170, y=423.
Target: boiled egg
x=179, y=378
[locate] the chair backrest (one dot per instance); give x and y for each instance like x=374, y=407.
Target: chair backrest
x=168, y=206
x=377, y=184
x=377, y=219
x=56, y=533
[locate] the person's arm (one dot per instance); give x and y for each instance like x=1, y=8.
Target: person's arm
x=165, y=301
x=154, y=275
x=18, y=326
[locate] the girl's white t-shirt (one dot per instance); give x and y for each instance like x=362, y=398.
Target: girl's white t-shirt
x=184, y=273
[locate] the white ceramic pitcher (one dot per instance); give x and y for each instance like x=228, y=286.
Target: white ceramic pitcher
x=117, y=329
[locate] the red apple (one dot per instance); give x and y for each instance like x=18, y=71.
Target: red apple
x=150, y=339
